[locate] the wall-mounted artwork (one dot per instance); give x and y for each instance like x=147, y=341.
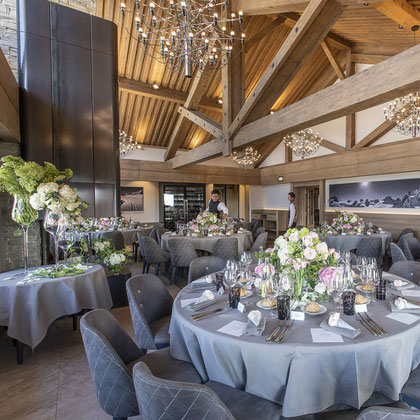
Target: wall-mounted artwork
x=371, y=194
x=132, y=199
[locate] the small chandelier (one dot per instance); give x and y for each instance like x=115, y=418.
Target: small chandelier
x=405, y=113
x=246, y=158
x=303, y=143
x=127, y=144
x=189, y=34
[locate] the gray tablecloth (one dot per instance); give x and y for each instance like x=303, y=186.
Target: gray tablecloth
x=344, y=243
x=301, y=376
x=28, y=309
x=206, y=243
x=130, y=235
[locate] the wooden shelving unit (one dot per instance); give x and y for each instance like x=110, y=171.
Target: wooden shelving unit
x=274, y=220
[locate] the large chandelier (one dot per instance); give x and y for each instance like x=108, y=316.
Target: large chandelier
x=127, y=144
x=246, y=158
x=405, y=113
x=193, y=34
x=303, y=143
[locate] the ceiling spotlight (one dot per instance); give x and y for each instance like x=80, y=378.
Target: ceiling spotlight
x=366, y=3
x=220, y=101
x=271, y=112
x=400, y=26
x=155, y=86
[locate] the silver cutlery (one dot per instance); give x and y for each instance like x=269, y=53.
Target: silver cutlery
x=361, y=321
x=289, y=324
x=275, y=332
x=376, y=325
x=199, y=306
x=204, y=315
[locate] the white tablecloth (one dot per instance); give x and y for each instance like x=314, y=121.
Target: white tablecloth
x=130, y=235
x=206, y=243
x=29, y=309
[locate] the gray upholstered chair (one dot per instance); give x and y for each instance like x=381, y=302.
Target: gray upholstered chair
x=115, y=237
x=402, y=244
x=389, y=413
x=226, y=248
x=261, y=241
x=150, y=308
x=160, y=232
x=111, y=355
x=203, y=266
x=170, y=400
x=256, y=224
x=370, y=247
x=182, y=253
x=409, y=270
x=153, y=234
x=258, y=232
x=152, y=254
x=411, y=389
x=410, y=247
x=396, y=253
x=404, y=232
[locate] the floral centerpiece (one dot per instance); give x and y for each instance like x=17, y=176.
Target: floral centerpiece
x=22, y=179
x=303, y=256
x=347, y=222
x=205, y=223
x=112, y=259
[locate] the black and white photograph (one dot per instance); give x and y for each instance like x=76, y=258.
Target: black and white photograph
x=132, y=199
x=390, y=194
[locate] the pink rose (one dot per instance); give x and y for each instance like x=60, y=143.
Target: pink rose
x=269, y=250
x=327, y=274
x=260, y=268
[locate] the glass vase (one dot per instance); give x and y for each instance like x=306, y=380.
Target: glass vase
x=24, y=215
x=54, y=223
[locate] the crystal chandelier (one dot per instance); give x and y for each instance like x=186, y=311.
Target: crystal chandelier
x=303, y=143
x=127, y=145
x=246, y=158
x=193, y=34
x=405, y=113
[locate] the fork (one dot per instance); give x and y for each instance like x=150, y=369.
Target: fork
x=275, y=332
x=289, y=324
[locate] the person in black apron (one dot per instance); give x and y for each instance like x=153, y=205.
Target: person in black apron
x=216, y=206
x=292, y=210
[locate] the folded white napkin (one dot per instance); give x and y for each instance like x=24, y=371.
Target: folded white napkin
x=207, y=295
x=208, y=279
x=401, y=303
x=255, y=317
x=333, y=319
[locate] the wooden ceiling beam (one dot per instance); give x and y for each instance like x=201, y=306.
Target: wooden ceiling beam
x=383, y=82
x=266, y=150
x=274, y=7
x=166, y=94
x=333, y=60
x=311, y=28
x=400, y=11
x=368, y=58
x=332, y=146
x=336, y=41
x=203, y=121
x=374, y=135
x=267, y=30
x=351, y=118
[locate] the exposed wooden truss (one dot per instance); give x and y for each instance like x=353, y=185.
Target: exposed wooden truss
x=394, y=77
x=264, y=32
x=333, y=60
x=203, y=121
x=400, y=11
x=374, y=135
x=171, y=95
x=351, y=118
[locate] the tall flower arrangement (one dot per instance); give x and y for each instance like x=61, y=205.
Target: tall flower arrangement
x=205, y=221
x=302, y=254
x=113, y=260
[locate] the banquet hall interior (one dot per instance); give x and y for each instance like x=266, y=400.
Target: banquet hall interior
x=210, y=209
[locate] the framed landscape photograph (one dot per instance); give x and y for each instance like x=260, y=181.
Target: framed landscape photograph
x=385, y=193
x=132, y=199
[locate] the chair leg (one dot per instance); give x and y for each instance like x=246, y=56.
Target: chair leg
x=167, y=267
x=173, y=274
x=74, y=316
x=157, y=269
x=19, y=352
x=144, y=266
x=147, y=268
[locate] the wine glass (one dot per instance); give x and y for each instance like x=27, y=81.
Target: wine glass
x=53, y=224
x=371, y=262
x=66, y=239
x=337, y=285
x=246, y=260
x=270, y=294
x=246, y=283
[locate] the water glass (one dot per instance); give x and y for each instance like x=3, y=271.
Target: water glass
x=371, y=262
x=246, y=260
x=348, y=302
x=219, y=280
x=66, y=239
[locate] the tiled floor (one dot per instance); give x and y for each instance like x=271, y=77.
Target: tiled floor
x=54, y=382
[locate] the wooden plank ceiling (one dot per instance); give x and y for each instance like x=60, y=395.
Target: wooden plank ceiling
x=151, y=120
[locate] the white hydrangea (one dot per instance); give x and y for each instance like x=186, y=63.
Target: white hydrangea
x=68, y=193
x=116, y=259
x=49, y=187
x=36, y=202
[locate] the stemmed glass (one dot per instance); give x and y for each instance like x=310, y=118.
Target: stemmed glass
x=246, y=260
x=66, y=239
x=270, y=294
x=338, y=285
x=371, y=262
x=246, y=283
x=53, y=224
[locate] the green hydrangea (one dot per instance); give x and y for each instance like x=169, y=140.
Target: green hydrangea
x=29, y=175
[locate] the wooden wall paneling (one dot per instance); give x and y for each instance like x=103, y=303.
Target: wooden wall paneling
x=106, y=200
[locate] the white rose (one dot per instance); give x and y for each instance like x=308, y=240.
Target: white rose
x=114, y=259
x=307, y=240
x=47, y=188
x=400, y=303
x=322, y=249
x=294, y=237
x=320, y=288
x=309, y=253
x=36, y=202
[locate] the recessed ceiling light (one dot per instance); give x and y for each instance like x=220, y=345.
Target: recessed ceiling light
x=220, y=101
x=155, y=86
x=366, y=3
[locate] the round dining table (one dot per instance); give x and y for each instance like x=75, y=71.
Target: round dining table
x=28, y=308
x=301, y=375
x=348, y=242
x=206, y=243
x=130, y=235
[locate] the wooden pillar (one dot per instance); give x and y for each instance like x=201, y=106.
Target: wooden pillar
x=350, y=119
